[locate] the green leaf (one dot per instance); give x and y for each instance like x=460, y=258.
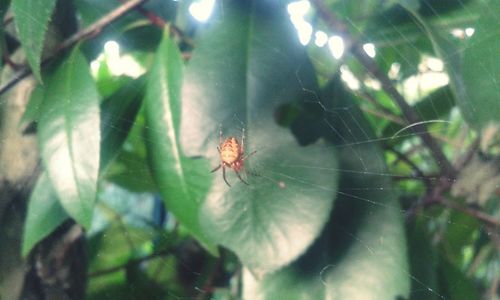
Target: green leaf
x=481, y=70
x=361, y=253
x=183, y=182
x=118, y=113
x=261, y=67
x=454, y=284
x=45, y=214
x=69, y=136
x=32, y=18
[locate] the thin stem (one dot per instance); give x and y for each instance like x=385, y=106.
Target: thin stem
x=83, y=34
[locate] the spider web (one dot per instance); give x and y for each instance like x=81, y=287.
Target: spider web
x=140, y=209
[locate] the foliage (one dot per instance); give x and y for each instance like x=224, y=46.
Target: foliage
x=341, y=198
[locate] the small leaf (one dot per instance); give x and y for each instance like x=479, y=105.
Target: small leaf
x=32, y=18
x=183, y=182
x=291, y=190
x=69, y=136
x=45, y=214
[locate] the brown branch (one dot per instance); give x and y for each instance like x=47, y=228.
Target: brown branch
x=382, y=114
x=83, y=34
x=411, y=116
x=130, y=263
x=160, y=23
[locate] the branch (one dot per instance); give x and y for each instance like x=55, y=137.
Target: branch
x=83, y=34
x=411, y=116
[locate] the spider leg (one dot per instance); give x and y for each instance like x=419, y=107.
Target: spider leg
x=248, y=155
x=216, y=168
x=224, y=175
x=239, y=176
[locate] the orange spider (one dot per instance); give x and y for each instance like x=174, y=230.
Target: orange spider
x=232, y=156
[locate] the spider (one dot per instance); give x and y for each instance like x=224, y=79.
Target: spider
x=232, y=155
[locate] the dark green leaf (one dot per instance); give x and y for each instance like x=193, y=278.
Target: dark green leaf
x=32, y=18
x=118, y=114
x=261, y=66
x=454, y=284
x=45, y=214
x=4, y=6
x=183, y=182
x=361, y=253
x=69, y=136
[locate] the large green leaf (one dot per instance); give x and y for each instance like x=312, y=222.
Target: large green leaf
x=183, y=182
x=259, y=67
x=45, y=214
x=361, y=253
x=32, y=18
x=69, y=136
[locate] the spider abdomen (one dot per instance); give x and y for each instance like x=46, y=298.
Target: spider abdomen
x=230, y=151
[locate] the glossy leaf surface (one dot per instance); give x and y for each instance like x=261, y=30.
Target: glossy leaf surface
x=32, y=18
x=261, y=67
x=45, y=214
x=183, y=182
x=69, y=136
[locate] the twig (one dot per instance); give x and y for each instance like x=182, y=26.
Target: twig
x=416, y=169
x=130, y=262
x=85, y=33
x=160, y=23
x=372, y=68
x=490, y=220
